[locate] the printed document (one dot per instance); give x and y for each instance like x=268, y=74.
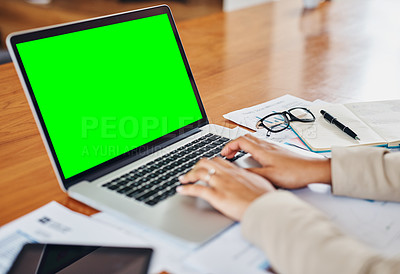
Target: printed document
x=54, y=223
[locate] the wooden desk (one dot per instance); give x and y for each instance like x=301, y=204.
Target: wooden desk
x=17, y=15
x=345, y=50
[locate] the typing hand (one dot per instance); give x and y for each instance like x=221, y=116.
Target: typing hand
x=230, y=189
x=280, y=166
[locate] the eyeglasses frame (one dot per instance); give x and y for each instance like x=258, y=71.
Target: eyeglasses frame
x=285, y=115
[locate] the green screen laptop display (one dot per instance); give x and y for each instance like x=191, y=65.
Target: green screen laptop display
x=107, y=90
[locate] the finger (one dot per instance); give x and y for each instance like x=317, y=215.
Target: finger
x=264, y=143
x=223, y=163
x=207, y=164
x=241, y=143
x=196, y=174
x=200, y=191
x=255, y=139
x=201, y=171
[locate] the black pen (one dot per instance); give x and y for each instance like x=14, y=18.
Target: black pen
x=333, y=120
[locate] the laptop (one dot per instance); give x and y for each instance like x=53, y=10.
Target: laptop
x=121, y=117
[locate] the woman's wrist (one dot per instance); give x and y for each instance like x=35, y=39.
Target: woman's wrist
x=321, y=171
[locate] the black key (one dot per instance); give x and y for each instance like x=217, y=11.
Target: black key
x=180, y=161
x=163, y=196
x=180, y=169
x=192, y=162
x=187, y=165
x=140, y=173
x=172, y=173
x=146, y=195
x=161, y=187
x=148, y=186
x=219, y=142
x=198, y=152
x=106, y=184
x=113, y=187
x=190, y=149
x=169, y=167
x=175, y=164
x=212, y=145
x=159, y=172
x=163, y=162
x=124, y=190
x=186, y=158
x=162, y=178
x=152, y=202
x=136, y=183
x=202, y=144
x=143, y=180
x=156, y=198
x=134, y=193
x=188, y=145
x=237, y=156
x=122, y=183
x=172, y=192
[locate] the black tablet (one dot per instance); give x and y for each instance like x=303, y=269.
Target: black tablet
x=56, y=258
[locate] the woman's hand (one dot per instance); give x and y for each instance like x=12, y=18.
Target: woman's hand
x=230, y=189
x=280, y=166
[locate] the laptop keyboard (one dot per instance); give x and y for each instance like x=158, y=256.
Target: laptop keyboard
x=158, y=179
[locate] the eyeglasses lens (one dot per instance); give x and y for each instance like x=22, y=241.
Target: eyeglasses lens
x=276, y=122
x=302, y=114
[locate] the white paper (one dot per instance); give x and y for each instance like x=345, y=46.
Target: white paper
x=374, y=223
x=249, y=117
x=280, y=137
x=382, y=116
x=54, y=223
x=322, y=135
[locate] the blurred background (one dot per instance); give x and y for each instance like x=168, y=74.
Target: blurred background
x=18, y=15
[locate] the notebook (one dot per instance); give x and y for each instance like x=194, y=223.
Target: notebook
x=375, y=123
x=121, y=117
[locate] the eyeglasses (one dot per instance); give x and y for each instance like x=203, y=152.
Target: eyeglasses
x=279, y=121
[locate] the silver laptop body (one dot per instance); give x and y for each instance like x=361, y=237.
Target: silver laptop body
x=93, y=87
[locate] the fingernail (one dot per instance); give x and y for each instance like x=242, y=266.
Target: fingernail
x=179, y=189
x=181, y=178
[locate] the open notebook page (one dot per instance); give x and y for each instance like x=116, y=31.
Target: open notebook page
x=382, y=116
x=322, y=136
